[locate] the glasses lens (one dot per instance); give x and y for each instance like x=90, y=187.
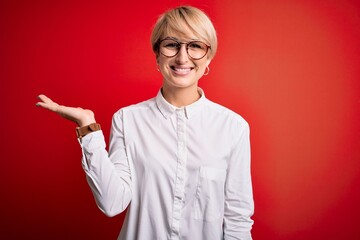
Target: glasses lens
x=169, y=47
x=195, y=49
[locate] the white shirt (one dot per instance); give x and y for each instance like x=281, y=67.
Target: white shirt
x=183, y=173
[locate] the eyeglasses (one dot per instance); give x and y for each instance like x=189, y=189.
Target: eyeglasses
x=170, y=47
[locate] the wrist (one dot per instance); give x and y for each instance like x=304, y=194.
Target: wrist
x=86, y=122
x=84, y=130
x=87, y=117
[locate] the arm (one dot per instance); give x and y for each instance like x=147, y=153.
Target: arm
x=108, y=177
x=239, y=205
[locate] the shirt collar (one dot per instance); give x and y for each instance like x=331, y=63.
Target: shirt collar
x=167, y=109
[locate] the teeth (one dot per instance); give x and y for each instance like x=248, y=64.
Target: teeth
x=182, y=69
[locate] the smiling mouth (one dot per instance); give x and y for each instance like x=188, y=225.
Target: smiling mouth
x=182, y=70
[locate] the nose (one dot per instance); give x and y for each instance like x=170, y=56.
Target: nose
x=182, y=56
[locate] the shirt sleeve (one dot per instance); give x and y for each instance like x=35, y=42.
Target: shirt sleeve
x=239, y=204
x=108, y=174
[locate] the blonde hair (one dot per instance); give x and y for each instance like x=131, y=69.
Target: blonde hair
x=179, y=20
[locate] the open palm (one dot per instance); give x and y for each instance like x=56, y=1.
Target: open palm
x=80, y=116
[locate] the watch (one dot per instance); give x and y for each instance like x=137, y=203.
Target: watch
x=83, y=131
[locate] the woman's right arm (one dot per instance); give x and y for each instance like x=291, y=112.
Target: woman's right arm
x=108, y=177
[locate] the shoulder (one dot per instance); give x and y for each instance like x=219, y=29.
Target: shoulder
x=225, y=113
x=229, y=121
x=143, y=106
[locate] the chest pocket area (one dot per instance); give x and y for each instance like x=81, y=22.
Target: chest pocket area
x=209, y=197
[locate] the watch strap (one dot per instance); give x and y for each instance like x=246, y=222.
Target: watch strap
x=83, y=131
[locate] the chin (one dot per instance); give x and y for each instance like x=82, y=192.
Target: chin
x=182, y=84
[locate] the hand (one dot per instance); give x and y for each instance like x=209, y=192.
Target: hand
x=81, y=117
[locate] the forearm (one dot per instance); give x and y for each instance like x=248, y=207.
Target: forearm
x=239, y=207
x=239, y=203
x=109, y=185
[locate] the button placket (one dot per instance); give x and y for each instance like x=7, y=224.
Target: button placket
x=180, y=173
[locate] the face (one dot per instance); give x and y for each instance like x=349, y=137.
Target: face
x=181, y=71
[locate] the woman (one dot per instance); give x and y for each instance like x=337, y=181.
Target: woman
x=179, y=162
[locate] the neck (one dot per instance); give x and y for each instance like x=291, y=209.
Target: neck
x=181, y=97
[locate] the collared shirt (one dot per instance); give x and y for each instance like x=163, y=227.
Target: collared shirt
x=182, y=172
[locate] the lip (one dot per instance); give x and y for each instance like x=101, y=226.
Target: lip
x=181, y=70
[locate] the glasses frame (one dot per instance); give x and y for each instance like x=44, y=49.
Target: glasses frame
x=186, y=45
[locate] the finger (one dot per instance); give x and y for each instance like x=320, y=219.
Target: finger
x=44, y=98
x=41, y=104
x=48, y=106
x=47, y=103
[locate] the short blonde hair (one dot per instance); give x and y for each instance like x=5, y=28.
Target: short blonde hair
x=180, y=19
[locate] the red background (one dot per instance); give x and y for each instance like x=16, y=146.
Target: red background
x=291, y=68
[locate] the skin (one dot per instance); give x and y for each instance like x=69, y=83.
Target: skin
x=180, y=82
x=80, y=116
x=180, y=86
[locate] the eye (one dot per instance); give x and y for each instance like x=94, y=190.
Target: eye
x=197, y=45
x=171, y=44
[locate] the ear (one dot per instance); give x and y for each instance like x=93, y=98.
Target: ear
x=157, y=59
x=208, y=61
